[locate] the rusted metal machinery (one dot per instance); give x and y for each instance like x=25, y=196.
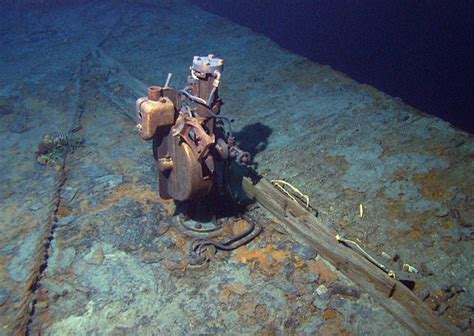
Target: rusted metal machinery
x=182, y=125
x=192, y=144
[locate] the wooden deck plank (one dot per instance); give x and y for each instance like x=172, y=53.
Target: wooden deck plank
x=397, y=299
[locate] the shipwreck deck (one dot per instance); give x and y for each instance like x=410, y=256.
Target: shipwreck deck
x=115, y=262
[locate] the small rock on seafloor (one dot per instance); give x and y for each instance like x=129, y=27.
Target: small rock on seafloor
x=320, y=303
x=323, y=292
x=304, y=251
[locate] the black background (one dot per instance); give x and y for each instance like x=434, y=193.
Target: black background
x=420, y=51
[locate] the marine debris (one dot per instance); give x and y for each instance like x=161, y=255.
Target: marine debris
x=53, y=148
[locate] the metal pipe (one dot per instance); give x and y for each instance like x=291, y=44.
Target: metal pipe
x=211, y=96
x=215, y=84
x=194, y=98
x=168, y=80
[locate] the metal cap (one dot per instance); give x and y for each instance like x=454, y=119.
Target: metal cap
x=207, y=64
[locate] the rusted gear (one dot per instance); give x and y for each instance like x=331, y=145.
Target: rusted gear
x=193, y=133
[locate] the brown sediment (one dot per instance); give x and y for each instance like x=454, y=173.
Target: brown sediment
x=434, y=185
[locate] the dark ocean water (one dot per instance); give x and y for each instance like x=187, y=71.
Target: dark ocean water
x=421, y=51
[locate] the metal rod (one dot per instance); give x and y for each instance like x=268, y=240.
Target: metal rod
x=168, y=79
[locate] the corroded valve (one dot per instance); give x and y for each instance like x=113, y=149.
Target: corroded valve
x=188, y=132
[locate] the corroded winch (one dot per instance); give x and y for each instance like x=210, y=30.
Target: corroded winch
x=188, y=133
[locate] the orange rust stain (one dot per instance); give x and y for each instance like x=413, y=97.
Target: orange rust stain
x=434, y=185
x=42, y=295
x=332, y=329
x=62, y=211
x=180, y=239
x=395, y=209
x=229, y=290
x=441, y=151
x=437, y=293
x=415, y=234
x=239, y=226
x=329, y=314
x=400, y=174
x=299, y=263
x=137, y=193
x=448, y=224
x=124, y=166
x=247, y=310
x=261, y=311
x=131, y=191
x=333, y=324
x=45, y=317
x=339, y=161
x=334, y=159
x=266, y=256
x=325, y=274
x=349, y=192
x=343, y=224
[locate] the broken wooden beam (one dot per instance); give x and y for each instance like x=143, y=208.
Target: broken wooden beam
x=392, y=295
